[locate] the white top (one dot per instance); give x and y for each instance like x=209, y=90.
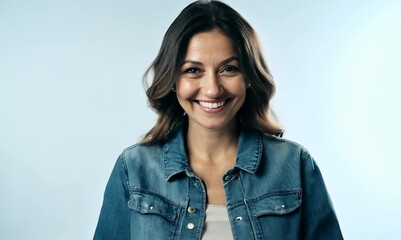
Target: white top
x=217, y=225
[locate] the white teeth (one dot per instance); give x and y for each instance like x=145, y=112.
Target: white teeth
x=212, y=105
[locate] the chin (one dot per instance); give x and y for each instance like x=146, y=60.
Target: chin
x=216, y=125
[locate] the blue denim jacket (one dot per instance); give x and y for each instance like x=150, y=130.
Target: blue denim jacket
x=275, y=191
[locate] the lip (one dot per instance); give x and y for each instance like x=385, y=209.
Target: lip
x=212, y=106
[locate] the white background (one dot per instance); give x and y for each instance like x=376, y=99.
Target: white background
x=71, y=99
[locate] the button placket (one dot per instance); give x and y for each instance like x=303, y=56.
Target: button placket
x=193, y=215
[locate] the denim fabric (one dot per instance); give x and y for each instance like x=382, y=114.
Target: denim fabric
x=275, y=191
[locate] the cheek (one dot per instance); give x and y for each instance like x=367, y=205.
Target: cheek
x=185, y=89
x=237, y=88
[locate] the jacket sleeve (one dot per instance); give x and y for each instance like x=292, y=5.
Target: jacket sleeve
x=319, y=220
x=114, y=219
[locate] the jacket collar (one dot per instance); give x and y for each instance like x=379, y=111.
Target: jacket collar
x=175, y=158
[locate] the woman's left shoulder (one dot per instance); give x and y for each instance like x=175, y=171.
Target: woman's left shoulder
x=282, y=145
x=280, y=141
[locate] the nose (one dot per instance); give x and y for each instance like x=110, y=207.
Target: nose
x=211, y=85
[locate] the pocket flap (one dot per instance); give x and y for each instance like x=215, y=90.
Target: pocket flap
x=152, y=203
x=280, y=203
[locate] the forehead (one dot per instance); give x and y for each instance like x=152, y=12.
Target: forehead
x=212, y=43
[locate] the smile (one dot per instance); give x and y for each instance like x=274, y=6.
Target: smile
x=211, y=105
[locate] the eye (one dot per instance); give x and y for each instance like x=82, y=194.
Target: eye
x=229, y=69
x=192, y=70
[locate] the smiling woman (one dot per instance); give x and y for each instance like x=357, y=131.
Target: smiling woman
x=214, y=166
x=211, y=88
x=202, y=17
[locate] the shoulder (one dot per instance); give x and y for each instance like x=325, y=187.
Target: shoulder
x=281, y=143
x=142, y=158
x=139, y=151
x=285, y=147
x=141, y=148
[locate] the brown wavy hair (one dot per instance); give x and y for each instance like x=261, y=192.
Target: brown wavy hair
x=203, y=16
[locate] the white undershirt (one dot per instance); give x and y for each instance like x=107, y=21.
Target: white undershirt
x=217, y=225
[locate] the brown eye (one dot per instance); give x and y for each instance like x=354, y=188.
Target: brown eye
x=229, y=69
x=191, y=70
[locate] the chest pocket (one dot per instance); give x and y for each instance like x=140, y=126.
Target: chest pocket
x=147, y=202
x=279, y=203
x=274, y=215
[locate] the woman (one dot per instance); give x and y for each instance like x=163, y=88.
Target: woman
x=214, y=166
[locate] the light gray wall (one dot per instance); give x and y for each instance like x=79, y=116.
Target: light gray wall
x=71, y=100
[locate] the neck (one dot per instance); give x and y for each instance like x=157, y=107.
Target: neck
x=212, y=145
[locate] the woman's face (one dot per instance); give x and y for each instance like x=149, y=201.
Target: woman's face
x=210, y=86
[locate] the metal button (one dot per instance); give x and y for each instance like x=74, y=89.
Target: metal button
x=283, y=206
x=239, y=218
x=151, y=207
x=190, y=226
x=191, y=209
x=197, y=183
x=228, y=178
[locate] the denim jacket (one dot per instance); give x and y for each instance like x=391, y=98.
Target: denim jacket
x=275, y=191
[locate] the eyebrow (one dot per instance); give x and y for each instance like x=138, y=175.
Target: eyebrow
x=221, y=63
